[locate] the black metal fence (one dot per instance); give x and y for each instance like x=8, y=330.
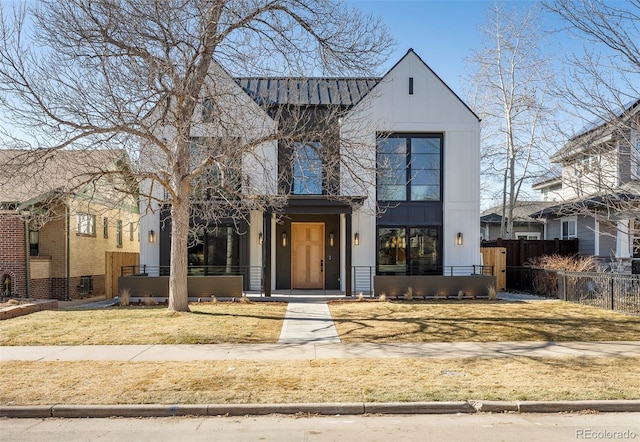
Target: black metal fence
x=252, y=275
x=362, y=276
x=612, y=291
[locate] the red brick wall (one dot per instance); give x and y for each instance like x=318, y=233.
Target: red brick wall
x=41, y=288
x=13, y=259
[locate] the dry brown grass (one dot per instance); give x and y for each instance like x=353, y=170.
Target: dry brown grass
x=350, y=380
x=222, y=322
x=479, y=321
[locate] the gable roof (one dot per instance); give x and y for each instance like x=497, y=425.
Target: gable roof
x=521, y=212
x=605, y=202
x=307, y=91
x=28, y=174
x=574, y=145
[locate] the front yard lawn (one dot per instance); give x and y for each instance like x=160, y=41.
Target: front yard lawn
x=222, y=322
x=479, y=321
x=326, y=380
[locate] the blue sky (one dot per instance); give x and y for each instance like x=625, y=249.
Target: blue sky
x=443, y=33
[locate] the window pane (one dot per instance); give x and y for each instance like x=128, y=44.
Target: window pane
x=425, y=193
x=425, y=145
x=393, y=145
x=397, y=177
x=307, y=169
x=425, y=177
x=392, y=169
x=392, y=253
x=425, y=161
x=222, y=249
x=424, y=250
x=392, y=193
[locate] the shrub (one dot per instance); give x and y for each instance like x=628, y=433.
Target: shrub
x=125, y=294
x=409, y=295
x=569, y=263
x=383, y=296
x=492, y=293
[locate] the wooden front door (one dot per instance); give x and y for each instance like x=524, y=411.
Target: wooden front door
x=307, y=260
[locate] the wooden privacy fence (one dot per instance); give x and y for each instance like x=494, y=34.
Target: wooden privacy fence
x=496, y=257
x=113, y=262
x=520, y=251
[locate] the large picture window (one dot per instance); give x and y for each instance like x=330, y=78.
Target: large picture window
x=409, y=250
x=213, y=250
x=409, y=167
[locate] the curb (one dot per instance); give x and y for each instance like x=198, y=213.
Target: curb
x=348, y=408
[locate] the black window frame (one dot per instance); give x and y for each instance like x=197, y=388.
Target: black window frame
x=411, y=264
x=408, y=194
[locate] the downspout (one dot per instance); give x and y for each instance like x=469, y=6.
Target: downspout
x=27, y=251
x=67, y=258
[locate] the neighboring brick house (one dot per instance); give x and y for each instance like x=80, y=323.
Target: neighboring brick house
x=58, y=218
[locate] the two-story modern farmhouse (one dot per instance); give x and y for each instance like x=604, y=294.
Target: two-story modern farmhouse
x=402, y=200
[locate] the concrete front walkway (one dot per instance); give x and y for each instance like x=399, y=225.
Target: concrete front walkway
x=308, y=323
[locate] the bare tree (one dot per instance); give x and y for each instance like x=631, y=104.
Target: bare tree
x=153, y=78
x=511, y=94
x=601, y=91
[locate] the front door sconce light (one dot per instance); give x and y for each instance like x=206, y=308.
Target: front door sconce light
x=356, y=239
x=260, y=238
x=331, y=237
x=284, y=239
x=152, y=236
x=459, y=239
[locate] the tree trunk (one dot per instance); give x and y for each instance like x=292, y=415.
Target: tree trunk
x=178, y=295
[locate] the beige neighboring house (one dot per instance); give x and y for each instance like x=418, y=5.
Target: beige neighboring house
x=60, y=213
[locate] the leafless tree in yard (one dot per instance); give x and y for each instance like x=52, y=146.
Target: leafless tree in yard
x=511, y=94
x=601, y=90
x=152, y=78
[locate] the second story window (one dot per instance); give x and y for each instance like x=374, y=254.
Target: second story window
x=118, y=233
x=409, y=167
x=222, y=179
x=307, y=169
x=86, y=224
x=207, y=110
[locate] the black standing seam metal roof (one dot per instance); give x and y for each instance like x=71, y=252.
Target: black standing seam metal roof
x=307, y=91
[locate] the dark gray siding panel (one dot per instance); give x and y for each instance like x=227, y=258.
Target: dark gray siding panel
x=554, y=229
x=586, y=235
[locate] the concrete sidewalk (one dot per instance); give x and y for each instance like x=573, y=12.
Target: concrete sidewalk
x=318, y=351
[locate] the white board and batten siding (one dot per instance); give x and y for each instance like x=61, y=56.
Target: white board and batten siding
x=432, y=108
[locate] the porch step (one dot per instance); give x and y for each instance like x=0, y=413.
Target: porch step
x=308, y=322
